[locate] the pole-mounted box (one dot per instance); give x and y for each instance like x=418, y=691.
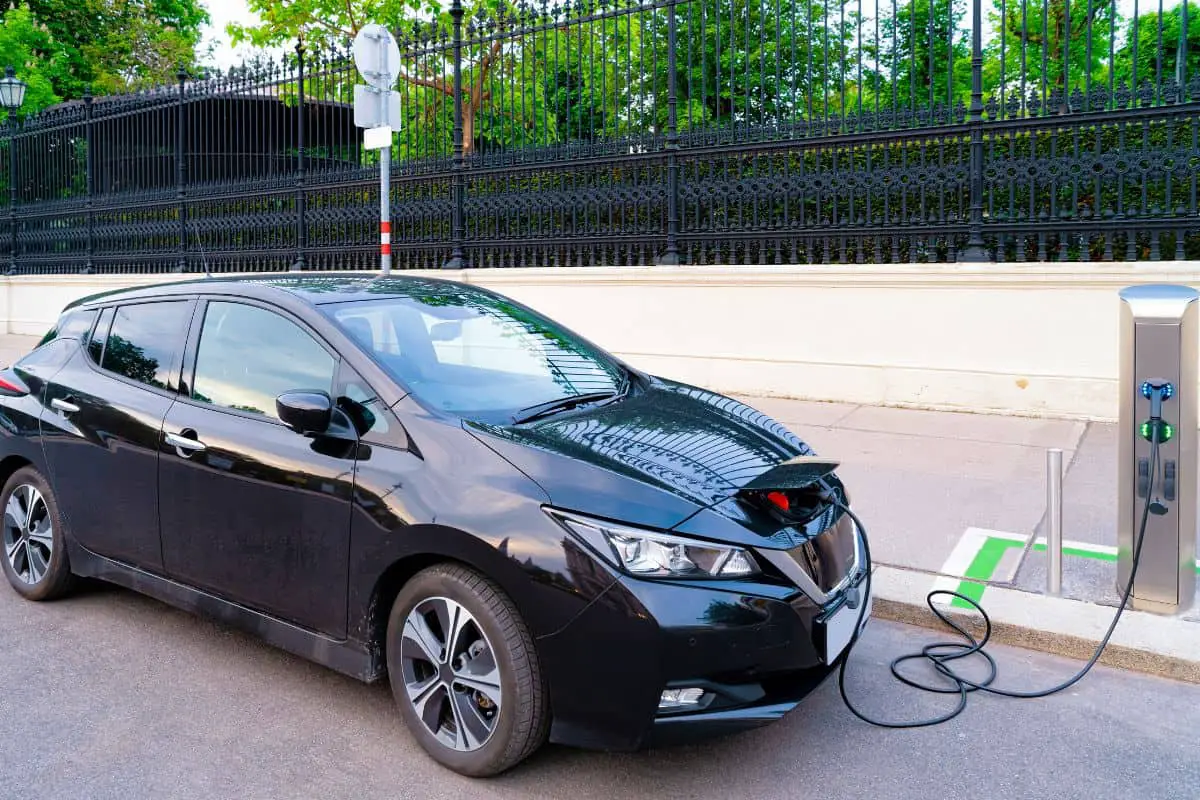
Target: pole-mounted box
x=1159, y=382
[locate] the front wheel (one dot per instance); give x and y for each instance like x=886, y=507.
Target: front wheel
x=464, y=672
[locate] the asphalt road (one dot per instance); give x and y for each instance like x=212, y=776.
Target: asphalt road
x=111, y=695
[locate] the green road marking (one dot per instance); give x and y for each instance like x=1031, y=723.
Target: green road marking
x=984, y=565
x=1075, y=551
x=981, y=569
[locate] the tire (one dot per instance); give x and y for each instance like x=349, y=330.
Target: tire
x=33, y=548
x=478, y=730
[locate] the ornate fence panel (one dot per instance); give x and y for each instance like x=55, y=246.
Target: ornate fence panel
x=599, y=132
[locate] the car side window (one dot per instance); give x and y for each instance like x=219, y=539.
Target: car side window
x=370, y=416
x=55, y=348
x=248, y=356
x=54, y=353
x=144, y=341
x=71, y=325
x=95, y=342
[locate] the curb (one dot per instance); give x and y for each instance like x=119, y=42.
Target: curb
x=1148, y=643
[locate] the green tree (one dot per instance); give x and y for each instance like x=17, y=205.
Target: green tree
x=1149, y=51
x=113, y=45
x=427, y=81
x=34, y=54
x=924, y=56
x=1052, y=48
x=757, y=61
x=529, y=77
x=594, y=74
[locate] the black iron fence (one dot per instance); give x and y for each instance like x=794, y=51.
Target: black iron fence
x=657, y=131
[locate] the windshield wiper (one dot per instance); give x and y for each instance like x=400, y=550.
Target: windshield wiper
x=559, y=404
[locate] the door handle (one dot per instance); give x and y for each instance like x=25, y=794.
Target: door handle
x=181, y=442
x=64, y=406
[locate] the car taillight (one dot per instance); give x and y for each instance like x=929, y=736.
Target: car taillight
x=10, y=388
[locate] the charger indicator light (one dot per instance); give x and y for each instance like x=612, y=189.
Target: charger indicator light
x=1168, y=390
x=1165, y=431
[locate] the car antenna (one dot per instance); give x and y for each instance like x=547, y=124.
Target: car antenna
x=203, y=255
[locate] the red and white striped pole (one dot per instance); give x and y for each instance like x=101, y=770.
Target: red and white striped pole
x=385, y=209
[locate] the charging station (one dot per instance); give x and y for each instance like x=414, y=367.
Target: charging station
x=1160, y=358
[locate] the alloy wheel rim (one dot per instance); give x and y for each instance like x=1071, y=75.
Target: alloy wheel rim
x=451, y=675
x=28, y=534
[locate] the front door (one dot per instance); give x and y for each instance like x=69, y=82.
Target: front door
x=252, y=511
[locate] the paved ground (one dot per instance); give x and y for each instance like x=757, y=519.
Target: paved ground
x=13, y=347
x=112, y=695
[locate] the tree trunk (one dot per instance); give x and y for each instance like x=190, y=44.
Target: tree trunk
x=468, y=128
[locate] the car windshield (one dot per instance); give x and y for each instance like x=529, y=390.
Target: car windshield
x=474, y=353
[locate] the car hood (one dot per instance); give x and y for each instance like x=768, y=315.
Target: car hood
x=654, y=458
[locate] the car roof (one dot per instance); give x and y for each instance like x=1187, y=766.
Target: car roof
x=311, y=289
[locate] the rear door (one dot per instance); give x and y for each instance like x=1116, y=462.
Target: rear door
x=252, y=511
x=103, y=423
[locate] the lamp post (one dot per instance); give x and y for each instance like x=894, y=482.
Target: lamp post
x=12, y=95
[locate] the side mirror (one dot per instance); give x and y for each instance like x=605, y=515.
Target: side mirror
x=446, y=331
x=305, y=412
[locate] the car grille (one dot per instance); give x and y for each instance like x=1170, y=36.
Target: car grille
x=829, y=557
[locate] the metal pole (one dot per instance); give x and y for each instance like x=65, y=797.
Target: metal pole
x=12, y=189
x=671, y=256
x=90, y=166
x=1054, y=522
x=385, y=209
x=976, y=249
x=301, y=225
x=459, y=185
x=181, y=175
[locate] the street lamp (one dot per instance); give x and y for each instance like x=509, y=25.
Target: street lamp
x=12, y=95
x=12, y=90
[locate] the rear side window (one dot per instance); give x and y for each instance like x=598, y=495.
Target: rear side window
x=49, y=356
x=145, y=340
x=71, y=325
x=95, y=342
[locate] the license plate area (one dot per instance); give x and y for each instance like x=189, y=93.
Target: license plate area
x=836, y=629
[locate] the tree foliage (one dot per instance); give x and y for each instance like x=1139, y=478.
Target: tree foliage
x=1047, y=42
x=327, y=25
x=1158, y=44
x=760, y=61
x=61, y=48
x=925, y=55
x=116, y=45
x=36, y=56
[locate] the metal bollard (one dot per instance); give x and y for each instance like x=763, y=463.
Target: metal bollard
x=1054, y=478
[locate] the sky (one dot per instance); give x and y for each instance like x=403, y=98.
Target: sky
x=222, y=13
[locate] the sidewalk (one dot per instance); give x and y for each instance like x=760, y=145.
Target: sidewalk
x=13, y=347
x=948, y=496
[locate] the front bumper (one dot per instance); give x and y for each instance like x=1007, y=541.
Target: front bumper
x=755, y=648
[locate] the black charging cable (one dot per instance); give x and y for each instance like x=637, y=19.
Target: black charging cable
x=942, y=655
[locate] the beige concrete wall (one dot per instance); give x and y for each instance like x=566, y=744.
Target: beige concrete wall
x=1031, y=339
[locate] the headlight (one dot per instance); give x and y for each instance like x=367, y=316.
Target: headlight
x=658, y=555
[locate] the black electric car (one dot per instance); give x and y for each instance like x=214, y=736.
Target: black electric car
x=425, y=480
